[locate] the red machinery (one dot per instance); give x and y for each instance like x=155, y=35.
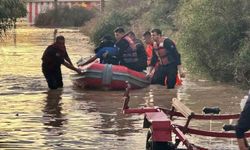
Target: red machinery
x=161, y=127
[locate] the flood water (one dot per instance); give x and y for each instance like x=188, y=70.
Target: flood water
x=32, y=117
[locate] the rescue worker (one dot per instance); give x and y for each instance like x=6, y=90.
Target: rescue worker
x=165, y=54
x=106, y=52
x=140, y=50
x=243, y=125
x=149, y=50
x=52, y=58
x=128, y=53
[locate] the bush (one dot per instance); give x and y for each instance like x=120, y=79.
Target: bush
x=111, y=18
x=135, y=15
x=108, y=23
x=211, y=33
x=75, y=16
x=10, y=10
x=242, y=69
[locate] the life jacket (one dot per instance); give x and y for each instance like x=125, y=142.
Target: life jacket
x=163, y=54
x=130, y=54
x=149, y=52
x=178, y=81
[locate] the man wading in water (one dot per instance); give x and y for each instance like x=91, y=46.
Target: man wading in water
x=52, y=58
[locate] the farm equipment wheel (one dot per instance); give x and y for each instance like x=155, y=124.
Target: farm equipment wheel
x=150, y=145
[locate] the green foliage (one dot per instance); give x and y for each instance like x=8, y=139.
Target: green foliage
x=10, y=10
x=135, y=15
x=108, y=23
x=159, y=14
x=211, y=33
x=242, y=69
x=117, y=13
x=114, y=5
x=64, y=16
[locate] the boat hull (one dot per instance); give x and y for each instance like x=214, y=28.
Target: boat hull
x=107, y=76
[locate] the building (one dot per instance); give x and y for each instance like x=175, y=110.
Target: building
x=35, y=7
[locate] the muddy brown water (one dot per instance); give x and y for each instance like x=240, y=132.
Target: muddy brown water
x=32, y=117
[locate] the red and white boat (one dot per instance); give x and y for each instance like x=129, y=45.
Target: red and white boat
x=107, y=76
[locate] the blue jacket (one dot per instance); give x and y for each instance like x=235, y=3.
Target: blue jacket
x=111, y=56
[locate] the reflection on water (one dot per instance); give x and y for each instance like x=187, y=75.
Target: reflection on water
x=34, y=117
x=52, y=109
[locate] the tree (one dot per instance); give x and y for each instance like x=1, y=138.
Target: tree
x=214, y=40
x=10, y=10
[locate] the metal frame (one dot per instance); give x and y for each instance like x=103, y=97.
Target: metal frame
x=159, y=120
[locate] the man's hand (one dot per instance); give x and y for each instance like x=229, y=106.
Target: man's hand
x=149, y=72
x=148, y=76
x=79, y=71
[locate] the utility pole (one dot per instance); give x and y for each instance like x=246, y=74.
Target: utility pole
x=55, y=19
x=56, y=12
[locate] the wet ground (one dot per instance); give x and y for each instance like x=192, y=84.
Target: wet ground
x=32, y=117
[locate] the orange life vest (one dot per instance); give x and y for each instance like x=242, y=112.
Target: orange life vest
x=164, y=55
x=149, y=52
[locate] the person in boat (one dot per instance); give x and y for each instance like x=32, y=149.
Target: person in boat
x=167, y=59
x=105, y=51
x=243, y=125
x=130, y=53
x=53, y=57
x=141, y=52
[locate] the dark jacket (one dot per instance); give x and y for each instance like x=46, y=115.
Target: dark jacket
x=53, y=57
